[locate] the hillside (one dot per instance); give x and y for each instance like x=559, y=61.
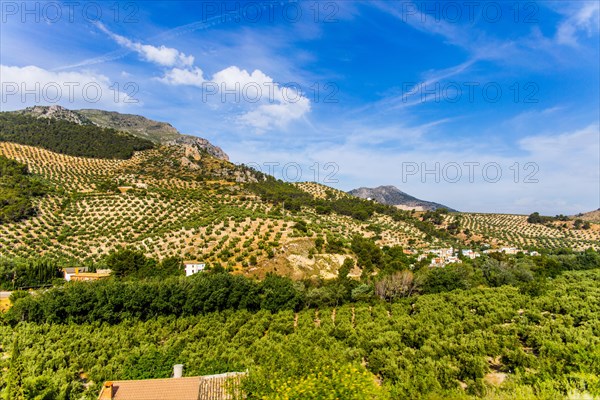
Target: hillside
x=193, y=207
x=178, y=200
x=136, y=125
x=393, y=196
x=593, y=216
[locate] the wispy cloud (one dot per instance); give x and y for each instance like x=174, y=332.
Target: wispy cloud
x=161, y=55
x=583, y=18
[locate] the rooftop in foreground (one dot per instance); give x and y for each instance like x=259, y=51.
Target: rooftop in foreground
x=213, y=387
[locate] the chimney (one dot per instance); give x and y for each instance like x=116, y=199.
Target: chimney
x=107, y=391
x=177, y=370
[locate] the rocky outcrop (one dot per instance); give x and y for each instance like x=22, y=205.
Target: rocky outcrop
x=201, y=145
x=56, y=112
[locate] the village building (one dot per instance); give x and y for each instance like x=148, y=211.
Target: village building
x=437, y=262
x=470, y=254
x=210, y=387
x=510, y=250
x=193, y=267
x=69, y=272
x=90, y=276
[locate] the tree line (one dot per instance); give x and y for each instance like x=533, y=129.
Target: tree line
x=25, y=274
x=116, y=300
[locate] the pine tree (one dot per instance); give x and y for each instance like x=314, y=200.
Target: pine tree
x=14, y=387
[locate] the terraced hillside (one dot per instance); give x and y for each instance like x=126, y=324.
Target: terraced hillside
x=177, y=199
x=173, y=204
x=514, y=230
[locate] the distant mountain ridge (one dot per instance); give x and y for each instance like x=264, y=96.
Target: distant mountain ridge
x=137, y=125
x=391, y=195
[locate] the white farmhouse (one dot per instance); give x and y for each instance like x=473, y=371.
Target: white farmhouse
x=193, y=267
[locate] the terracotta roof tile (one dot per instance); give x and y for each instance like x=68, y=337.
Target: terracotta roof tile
x=211, y=387
x=157, y=389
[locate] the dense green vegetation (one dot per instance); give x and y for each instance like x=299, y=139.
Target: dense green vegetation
x=115, y=300
x=69, y=138
x=536, y=218
x=134, y=264
x=17, y=188
x=24, y=274
x=543, y=347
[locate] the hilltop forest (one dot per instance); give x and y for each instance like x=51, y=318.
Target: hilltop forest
x=69, y=138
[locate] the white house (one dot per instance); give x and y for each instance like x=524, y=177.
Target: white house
x=470, y=253
x=193, y=267
x=69, y=272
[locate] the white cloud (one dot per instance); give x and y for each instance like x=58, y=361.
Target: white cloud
x=279, y=105
x=266, y=104
x=164, y=56
x=585, y=18
x=32, y=85
x=270, y=116
x=233, y=76
x=178, y=76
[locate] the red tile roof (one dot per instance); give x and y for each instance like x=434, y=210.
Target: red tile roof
x=213, y=387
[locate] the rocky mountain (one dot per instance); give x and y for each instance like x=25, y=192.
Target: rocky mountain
x=142, y=127
x=56, y=112
x=393, y=196
x=200, y=144
x=158, y=132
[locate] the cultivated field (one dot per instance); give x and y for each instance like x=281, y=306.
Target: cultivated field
x=514, y=230
x=183, y=203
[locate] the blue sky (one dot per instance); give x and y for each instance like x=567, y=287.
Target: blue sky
x=493, y=107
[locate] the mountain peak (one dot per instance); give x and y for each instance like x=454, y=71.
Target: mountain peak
x=56, y=112
x=391, y=195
